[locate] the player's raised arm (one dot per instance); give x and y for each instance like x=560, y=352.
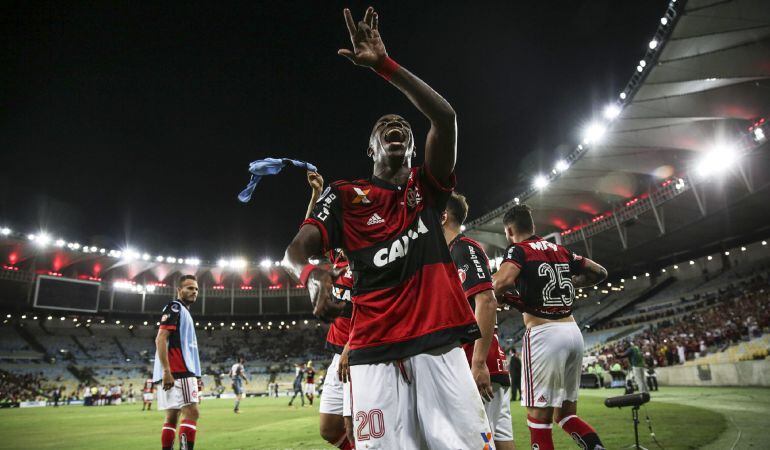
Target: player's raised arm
x=369, y=51
x=590, y=274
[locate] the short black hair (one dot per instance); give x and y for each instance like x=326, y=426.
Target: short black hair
x=186, y=277
x=457, y=207
x=520, y=217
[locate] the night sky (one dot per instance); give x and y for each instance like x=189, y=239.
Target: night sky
x=134, y=123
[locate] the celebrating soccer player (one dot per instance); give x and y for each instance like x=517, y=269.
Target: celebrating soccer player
x=178, y=366
x=486, y=358
x=545, y=275
x=411, y=384
x=333, y=401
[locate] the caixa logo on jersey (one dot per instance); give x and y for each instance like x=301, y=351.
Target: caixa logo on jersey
x=400, y=247
x=326, y=203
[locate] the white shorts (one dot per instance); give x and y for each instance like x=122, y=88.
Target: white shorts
x=425, y=401
x=147, y=396
x=184, y=392
x=336, y=395
x=552, y=357
x=499, y=413
x=308, y=388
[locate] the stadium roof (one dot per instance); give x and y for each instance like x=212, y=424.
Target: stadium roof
x=659, y=181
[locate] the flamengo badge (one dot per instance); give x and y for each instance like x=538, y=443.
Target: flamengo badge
x=413, y=197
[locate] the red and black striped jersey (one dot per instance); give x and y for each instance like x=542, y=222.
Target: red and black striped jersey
x=309, y=375
x=339, y=330
x=473, y=268
x=545, y=282
x=407, y=297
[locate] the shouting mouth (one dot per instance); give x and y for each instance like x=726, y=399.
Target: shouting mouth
x=394, y=135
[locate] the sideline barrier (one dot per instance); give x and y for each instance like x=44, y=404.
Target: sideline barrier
x=742, y=373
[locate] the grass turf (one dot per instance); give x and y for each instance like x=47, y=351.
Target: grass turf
x=684, y=418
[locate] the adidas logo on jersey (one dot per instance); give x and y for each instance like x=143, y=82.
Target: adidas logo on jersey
x=375, y=219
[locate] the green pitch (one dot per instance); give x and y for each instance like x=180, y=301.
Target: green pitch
x=682, y=418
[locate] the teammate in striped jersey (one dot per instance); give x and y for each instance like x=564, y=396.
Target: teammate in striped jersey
x=178, y=366
x=546, y=274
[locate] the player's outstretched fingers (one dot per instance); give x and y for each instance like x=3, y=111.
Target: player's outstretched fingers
x=368, y=16
x=350, y=22
x=347, y=54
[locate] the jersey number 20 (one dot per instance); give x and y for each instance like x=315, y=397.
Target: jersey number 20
x=558, y=275
x=374, y=421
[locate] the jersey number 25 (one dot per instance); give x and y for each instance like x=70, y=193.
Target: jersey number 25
x=558, y=275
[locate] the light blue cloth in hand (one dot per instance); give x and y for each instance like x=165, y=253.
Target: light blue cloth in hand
x=269, y=166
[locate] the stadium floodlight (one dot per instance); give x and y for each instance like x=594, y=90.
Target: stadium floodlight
x=462, y=228
x=238, y=263
x=223, y=262
x=727, y=253
x=92, y=249
x=60, y=242
x=516, y=200
x=159, y=258
x=643, y=63
x=130, y=254
x=75, y=245
x=663, y=21
x=193, y=261
x=759, y=134
x=764, y=242
x=266, y=263
x=611, y=111
x=171, y=259
x=622, y=96
x=676, y=267
x=5, y=231
x=709, y=257
x=102, y=250
x=146, y=256
x=720, y=158
x=540, y=182
x=594, y=132
x=692, y=262
x=561, y=166
x=653, y=43
x=41, y=239
x=31, y=237
x=646, y=274
x=277, y=263
x=639, y=68
x=743, y=249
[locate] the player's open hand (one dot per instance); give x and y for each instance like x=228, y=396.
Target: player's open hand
x=319, y=285
x=368, y=49
x=316, y=182
x=480, y=374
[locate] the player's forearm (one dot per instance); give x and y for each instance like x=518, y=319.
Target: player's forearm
x=161, y=343
x=313, y=198
x=424, y=98
x=305, y=244
x=486, y=315
x=589, y=278
x=441, y=143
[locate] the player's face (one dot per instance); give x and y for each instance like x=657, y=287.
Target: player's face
x=391, y=139
x=188, y=291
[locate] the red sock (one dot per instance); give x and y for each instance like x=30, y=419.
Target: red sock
x=583, y=434
x=540, y=433
x=187, y=435
x=343, y=443
x=167, y=435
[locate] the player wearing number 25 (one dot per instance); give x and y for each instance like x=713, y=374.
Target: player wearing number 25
x=546, y=275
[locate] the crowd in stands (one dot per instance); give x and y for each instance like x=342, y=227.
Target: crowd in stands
x=736, y=313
